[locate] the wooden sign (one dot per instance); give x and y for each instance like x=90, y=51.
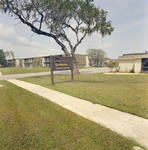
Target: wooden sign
x=60, y=63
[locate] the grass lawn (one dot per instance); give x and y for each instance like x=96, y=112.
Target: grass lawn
x=19, y=70
x=28, y=121
x=128, y=93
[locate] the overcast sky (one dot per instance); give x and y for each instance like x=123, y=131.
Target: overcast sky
x=129, y=17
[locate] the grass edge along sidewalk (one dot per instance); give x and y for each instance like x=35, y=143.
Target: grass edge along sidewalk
x=32, y=122
x=123, y=123
x=125, y=93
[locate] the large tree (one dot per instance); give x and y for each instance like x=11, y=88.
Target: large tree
x=3, y=61
x=53, y=18
x=10, y=55
x=96, y=56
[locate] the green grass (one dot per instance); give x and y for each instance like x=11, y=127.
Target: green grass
x=27, y=121
x=128, y=93
x=20, y=70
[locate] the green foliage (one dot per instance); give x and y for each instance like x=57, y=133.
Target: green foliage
x=96, y=56
x=37, y=62
x=132, y=70
x=10, y=56
x=58, y=16
x=3, y=61
x=111, y=65
x=54, y=18
x=117, y=67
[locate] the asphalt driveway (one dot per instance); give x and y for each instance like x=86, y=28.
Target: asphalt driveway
x=83, y=71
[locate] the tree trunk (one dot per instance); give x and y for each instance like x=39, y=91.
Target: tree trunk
x=75, y=64
x=76, y=70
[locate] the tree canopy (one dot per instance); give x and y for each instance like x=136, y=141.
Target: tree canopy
x=3, y=61
x=96, y=56
x=111, y=65
x=10, y=55
x=53, y=18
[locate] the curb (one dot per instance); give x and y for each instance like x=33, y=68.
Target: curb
x=121, y=73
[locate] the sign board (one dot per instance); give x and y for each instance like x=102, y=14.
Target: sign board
x=61, y=63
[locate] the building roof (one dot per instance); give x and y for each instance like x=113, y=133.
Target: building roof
x=133, y=56
x=146, y=53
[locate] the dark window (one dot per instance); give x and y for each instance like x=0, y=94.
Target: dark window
x=144, y=64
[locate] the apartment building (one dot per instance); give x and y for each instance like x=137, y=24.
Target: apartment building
x=10, y=62
x=45, y=61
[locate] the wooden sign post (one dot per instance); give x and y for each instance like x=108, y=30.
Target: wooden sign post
x=60, y=63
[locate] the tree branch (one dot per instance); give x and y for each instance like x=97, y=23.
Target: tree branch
x=39, y=31
x=42, y=16
x=67, y=25
x=74, y=49
x=69, y=42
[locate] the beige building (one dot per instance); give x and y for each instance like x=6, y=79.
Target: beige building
x=44, y=61
x=11, y=62
x=137, y=62
x=83, y=60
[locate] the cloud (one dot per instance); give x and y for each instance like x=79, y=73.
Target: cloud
x=6, y=32
x=132, y=25
x=135, y=51
x=8, y=35
x=93, y=41
x=96, y=41
x=25, y=42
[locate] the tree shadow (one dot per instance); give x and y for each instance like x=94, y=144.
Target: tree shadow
x=113, y=82
x=105, y=81
x=56, y=82
x=78, y=81
x=87, y=81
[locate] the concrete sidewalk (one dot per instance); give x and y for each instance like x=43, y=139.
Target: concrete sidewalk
x=123, y=123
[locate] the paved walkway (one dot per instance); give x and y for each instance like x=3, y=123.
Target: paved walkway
x=83, y=71
x=123, y=123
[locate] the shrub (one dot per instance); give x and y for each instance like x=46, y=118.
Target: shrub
x=111, y=65
x=132, y=71
x=117, y=68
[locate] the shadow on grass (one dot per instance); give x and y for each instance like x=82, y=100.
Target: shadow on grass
x=108, y=82
x=112, y=82
x=56, y=82
x=78, y=81
x=86, y=81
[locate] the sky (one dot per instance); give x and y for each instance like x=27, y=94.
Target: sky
x=129, y=17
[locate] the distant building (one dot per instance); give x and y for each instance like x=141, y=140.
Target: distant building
x=82, y=59
x=10, y=62
x=44, y=61
x=107, y=61
x=136, y=62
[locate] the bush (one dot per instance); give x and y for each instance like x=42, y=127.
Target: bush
x=132, y=71
x=117, y=68
x=3, y=61
x=111, y=65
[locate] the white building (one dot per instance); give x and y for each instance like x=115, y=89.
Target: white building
x=137, y=62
